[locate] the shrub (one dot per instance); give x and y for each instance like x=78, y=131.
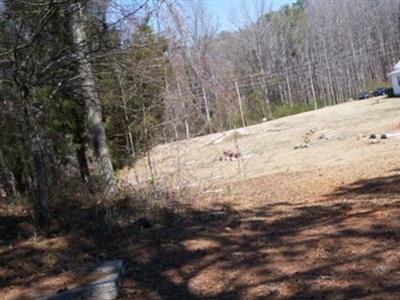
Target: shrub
x=390, y=92
x=279, y=111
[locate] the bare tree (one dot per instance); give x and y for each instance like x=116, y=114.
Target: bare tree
x=7, y=180
x=92, y=101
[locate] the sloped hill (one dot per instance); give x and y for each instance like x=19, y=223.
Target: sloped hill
x=334, y=135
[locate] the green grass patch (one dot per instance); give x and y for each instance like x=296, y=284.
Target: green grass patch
x=280, y=111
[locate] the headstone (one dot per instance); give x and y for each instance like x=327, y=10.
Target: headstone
x=105, y=288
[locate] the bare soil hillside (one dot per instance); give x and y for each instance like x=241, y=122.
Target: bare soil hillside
x=335, y=136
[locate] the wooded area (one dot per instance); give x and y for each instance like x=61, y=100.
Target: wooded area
x=129, y=166
x=87, y=87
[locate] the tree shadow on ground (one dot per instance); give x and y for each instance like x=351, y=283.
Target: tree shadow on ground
x=330, y=250
x=313, y=252
x=380, y=187
x=13, y=228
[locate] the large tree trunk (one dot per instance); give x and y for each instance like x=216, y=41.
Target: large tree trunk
x=7, y=181
x=92, y=101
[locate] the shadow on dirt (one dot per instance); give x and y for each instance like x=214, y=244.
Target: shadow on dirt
x=380, y=187
x=277, y=251
x=312, y=252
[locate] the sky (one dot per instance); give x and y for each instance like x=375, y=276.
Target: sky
x=222, y=9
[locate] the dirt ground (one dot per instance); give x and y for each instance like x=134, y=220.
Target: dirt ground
x=332, y=233
x=321, y=222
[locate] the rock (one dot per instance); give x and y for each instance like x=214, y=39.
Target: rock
x=300, y=146
x=372, y=136
x=389, y=135
x=331, y=135
x=374, y=141
x=105, y=288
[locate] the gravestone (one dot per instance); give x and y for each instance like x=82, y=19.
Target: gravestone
x=105, y=288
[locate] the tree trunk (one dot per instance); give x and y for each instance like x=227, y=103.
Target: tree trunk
x=288, y=87
x=34, y=148
x=82, y=161
x=310, y=74
x=81, y=155
x=184, y=112
x=130, y=143
x=240, y=104
x=208, y=116
x=7, y=181
x=92, y=101
x=264, y=87
x=42, y=186
x=80, y=140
